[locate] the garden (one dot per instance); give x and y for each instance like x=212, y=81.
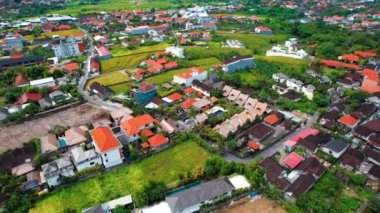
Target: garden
x=164, y=166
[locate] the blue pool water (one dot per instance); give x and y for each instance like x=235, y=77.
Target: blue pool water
x=218, y=112
x=184, y=188
x=62, y=142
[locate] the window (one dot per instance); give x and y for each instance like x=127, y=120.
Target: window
x=92, y=163
x=106, y=160
x=105, y=155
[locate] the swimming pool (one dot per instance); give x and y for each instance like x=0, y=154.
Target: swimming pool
x=62, y=142
x=218, y=112
x=184, y=188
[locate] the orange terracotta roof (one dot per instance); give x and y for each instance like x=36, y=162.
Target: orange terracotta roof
x=157, y=140
x=348, y=120
x=351, y=57
x=371, y=74
x=145, y=145
x=28, y=97
x=188, y=74
x=188, y=103
x=365, y=54
x=253, y=145
x=146, y=132
x=104, y=139
x=162, y=60
x=132, y=126
x=189, y=90
x=71, y=67
x=175, y=97
x=21, y=80
x=271, y=119
x=171, y=65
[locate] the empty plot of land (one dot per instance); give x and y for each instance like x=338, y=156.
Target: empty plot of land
x=14, y=136
x=261, y=205
x=62, y=33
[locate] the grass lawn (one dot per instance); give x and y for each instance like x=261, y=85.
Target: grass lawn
x=166, y=76
x=205, y=62
x=110, y=79
x=285, y=60
x=350, y=204
x=75, y=8
x=62, y=33
x=123, y=62
x=122, y=51
x=333, y=74
x=121, y=88
x=213, y=51
x=163, y=166
x=258, y=43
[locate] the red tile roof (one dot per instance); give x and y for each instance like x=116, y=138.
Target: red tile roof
x=71, y=67
x=271, y=119
x=188, y=103
x=189, y=90
x=145, y=145
x=188, y=74
x=262, y=28
x=146, y=132
x=351, y=57
x=293, y=160
x=171, y=65
x=146, y=86
x=348, y=120
x=21, y=80
x=162, y=60
x=253, y=145
x=132, y=126
x=17, y=55
x=304, y=134
x=104, y=139
x=371, y=74
x=28, y=97
x=365, y=54
x=175, y=97
x=337, y=64
x=158, y=140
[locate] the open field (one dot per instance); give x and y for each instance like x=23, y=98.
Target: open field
x=122, y=51
x=213, y=51
x=285, y=60
x=258, y=43
x=75, y=7
x=14, y=136
x=62, y=33
x=163, y=166
x=110, y=79
x=262, y=205
x=205, y=62
x=121, y=88
x=123, y=62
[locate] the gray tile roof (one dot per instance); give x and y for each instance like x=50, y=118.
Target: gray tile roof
x=336, y=145
x=199, y=194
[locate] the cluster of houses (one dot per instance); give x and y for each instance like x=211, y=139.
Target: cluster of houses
x=290, y=87
x=81, y=148
x=252, y=109
x=53, y=98
x=365, y=77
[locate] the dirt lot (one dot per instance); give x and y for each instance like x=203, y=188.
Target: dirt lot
x=261, y=205
x=14, y=136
